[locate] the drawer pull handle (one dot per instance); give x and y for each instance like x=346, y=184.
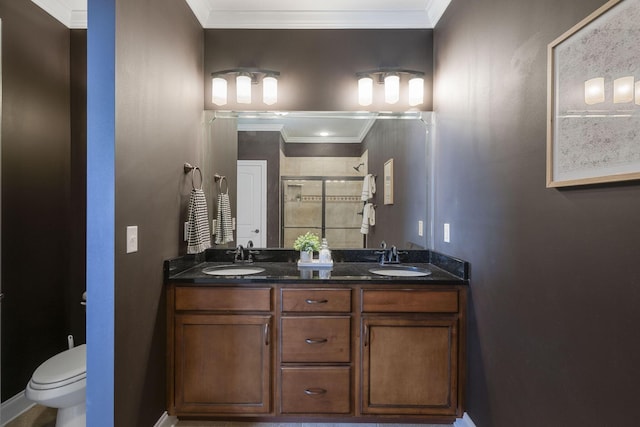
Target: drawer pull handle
x=266, y=334
x=316, y=301
x=314, y=391
x=316, y=340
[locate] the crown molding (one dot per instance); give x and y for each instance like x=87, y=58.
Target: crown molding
x=71, y=13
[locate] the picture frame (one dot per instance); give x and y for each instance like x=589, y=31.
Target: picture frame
x=388, y=182
x=593, y=99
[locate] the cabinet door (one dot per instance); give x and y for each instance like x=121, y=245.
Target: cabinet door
x=409, y=366
x=223, y=364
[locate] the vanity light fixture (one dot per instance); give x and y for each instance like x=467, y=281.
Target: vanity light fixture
x=638, y=92
x=245, y=78
x=390, y=77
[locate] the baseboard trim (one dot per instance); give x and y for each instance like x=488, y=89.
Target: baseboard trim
x=166, y=421
x=14, y=407
x=465, y=421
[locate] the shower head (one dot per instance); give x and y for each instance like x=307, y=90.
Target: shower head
x=358, y=167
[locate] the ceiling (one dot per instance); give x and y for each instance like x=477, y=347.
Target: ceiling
x=285, y=14
x=292, y=14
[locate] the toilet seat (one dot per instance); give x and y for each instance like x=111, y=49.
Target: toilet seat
x=63, y=369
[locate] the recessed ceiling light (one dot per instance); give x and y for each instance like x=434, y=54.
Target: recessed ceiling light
x=324, y=133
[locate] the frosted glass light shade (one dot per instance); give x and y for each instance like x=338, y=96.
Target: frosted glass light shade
x=365, y=91
x=416, y=91
x=594, y=91
x=243, y=89
x=623, y=90
x=392, y=88
x=219, y=91
x=638, y=93
x=269, y=90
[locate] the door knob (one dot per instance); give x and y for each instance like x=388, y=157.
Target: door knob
x=256, y=231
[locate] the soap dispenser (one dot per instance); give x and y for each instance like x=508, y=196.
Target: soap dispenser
x=325, y=253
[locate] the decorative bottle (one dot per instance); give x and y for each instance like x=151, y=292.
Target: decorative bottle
x=325, y=252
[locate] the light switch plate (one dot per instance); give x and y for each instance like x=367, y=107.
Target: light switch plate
x=132, y=239
x=447, y=233
x=186, y=230
x=420, y=228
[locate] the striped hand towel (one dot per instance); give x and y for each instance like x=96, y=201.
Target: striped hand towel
x=198, y=236
x=224, y=227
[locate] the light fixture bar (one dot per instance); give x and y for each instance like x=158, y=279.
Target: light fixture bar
x=244, y=78
x=390, y=77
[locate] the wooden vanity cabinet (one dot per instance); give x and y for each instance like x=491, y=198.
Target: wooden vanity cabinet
x=410, y=352
x=223, y=339
x=285, y=352
x=315, y=352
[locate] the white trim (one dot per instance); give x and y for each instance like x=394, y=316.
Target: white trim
x=14, y=407
x=260, y=127
x=71, y=15
x=166, y=421
x=465, y=421
x=436, y=9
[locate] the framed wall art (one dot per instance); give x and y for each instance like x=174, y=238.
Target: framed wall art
x=593, y=96
x=388, y=182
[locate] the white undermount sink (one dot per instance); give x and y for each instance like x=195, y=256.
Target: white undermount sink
x=400, y=271
x=232, y=270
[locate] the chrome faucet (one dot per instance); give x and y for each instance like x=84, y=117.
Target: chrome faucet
x=250, y=251
x=389, y=256
x=238, y=254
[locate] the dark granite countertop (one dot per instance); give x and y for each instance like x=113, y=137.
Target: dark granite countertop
x=350, y=266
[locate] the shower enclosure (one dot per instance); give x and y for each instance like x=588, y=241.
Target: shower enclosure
x=328, y=206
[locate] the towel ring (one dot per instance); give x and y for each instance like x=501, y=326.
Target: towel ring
x=193, y=178
x=220, y=179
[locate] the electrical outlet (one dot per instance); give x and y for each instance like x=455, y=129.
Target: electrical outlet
x=186, y=230
x=132, y=239
x=447, y=233
x=214, y=222
x=420, y=228
x=233, y=224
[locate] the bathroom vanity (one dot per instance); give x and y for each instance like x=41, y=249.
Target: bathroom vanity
x=285, y=345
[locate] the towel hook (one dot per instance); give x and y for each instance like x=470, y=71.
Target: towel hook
x=220, y=179
x=189, y=168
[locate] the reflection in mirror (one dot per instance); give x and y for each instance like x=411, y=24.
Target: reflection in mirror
x=316, y=166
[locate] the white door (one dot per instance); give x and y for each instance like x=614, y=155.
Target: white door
x=251, y=210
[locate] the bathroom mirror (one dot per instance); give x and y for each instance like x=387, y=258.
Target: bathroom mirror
x=314, y=169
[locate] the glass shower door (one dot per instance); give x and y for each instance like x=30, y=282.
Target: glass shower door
x=328, y=206
x=343, y=213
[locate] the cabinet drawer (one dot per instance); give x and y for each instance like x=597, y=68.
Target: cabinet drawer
x=223, y=299
x=316, y=390
x=409, y=301
x=313, y=300
x=316, y=339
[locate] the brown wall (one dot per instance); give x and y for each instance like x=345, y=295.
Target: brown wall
x=42, y=301
x=404, y=141
x=159, y=114
x=554, y=278
x=318, y=67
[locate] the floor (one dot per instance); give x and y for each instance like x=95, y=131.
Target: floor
x=38, y=416
x=234, y=424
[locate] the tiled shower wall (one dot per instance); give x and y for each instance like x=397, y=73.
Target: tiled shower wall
x=302, y=200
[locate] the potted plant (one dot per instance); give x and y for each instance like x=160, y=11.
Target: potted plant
x=307, y=243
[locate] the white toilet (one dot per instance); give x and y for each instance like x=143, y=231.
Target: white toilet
x=60, y=382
